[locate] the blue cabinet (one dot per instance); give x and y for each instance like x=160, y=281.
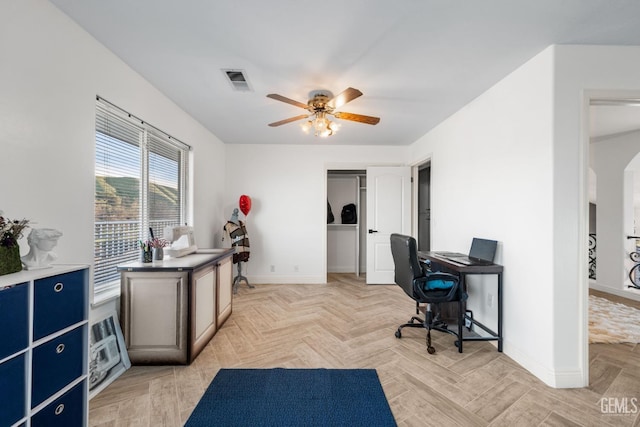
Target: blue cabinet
x=44, y=352
x=56, y=364
x=58, y=302
x=67, y=410
x=14, y=311
x=13, y=390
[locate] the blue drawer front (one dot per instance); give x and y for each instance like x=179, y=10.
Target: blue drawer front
x=66, y=411
x=59, y=301
x=56, y=364
x=12, y=390
x=14, y=316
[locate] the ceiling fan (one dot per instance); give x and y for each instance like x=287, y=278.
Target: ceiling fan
x=321, y=104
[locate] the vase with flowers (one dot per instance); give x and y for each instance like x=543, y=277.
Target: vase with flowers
x=10, y=232
x=157, y=246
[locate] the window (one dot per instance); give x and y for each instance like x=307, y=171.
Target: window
x=140, y=183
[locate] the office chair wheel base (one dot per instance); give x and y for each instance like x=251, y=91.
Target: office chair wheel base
x=430, y=348
x=398, y=334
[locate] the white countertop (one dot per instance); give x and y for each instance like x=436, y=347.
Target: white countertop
x=187, y=262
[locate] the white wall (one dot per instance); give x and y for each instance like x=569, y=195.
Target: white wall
x=491, y=177
x=288, y=184
x=581, y=72
x=51, y=72
x=609, y=157
x=517, y=157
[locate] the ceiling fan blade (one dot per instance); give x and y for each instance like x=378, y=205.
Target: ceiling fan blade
x=347, y=95
x=357, y=118
x=289, y=120
x=287, y=100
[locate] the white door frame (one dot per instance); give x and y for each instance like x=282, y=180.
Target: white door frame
x=345, y=166
x=583, y=246
x=415, y=171
x=327, y=167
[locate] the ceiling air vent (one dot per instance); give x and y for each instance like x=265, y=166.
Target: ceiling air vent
x=238, y=80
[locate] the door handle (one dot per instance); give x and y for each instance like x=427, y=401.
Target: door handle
x=372, y=231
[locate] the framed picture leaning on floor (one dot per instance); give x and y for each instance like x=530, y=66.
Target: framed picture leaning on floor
x=108, y=358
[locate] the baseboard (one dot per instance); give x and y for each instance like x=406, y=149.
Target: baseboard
x=282, y=279
x=633, y=294
x=552, y=378
x=345, y=269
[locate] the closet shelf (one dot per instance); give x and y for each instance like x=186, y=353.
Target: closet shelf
x=342, y=225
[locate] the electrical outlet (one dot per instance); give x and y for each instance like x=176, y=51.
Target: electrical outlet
x=273, y=268
x=490, y=300
x=295, y=268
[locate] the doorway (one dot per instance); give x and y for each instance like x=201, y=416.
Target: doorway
x=424, y=207
x=382, y=199
x=613, y=143
x=614, y=195
x=346, y=252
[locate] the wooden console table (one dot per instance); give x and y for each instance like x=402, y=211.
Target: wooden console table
x=170, y=309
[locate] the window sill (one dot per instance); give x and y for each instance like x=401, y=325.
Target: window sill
x=106, y=293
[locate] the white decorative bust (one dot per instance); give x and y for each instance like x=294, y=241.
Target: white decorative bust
x=41, y=242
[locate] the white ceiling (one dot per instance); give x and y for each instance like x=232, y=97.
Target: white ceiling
x=416, y=61
x=612, y=119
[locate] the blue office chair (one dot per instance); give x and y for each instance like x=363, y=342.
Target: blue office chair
x=425, y=287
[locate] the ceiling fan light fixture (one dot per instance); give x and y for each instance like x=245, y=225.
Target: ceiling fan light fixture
x=306, y=126
x=320, y=105
x=322, y=126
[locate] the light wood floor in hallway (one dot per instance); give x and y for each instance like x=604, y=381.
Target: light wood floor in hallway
x=347, y=324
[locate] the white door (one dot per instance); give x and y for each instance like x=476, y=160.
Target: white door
x=388, y=211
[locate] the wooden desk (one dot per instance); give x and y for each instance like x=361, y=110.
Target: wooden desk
x=443, y=264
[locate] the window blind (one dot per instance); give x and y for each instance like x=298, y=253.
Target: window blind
x=140, y=183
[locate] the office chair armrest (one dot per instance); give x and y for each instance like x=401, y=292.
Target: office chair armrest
x=425, y=265
x=439, y=285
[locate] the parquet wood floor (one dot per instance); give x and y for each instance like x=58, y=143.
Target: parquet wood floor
x=347, y=324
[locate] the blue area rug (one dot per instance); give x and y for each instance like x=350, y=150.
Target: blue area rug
x=293, y=397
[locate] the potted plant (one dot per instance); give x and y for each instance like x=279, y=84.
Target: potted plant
x=10, y=232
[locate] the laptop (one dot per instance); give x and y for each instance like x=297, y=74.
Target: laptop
x=482, y=252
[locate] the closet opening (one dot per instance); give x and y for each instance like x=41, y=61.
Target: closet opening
x=346, y=238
